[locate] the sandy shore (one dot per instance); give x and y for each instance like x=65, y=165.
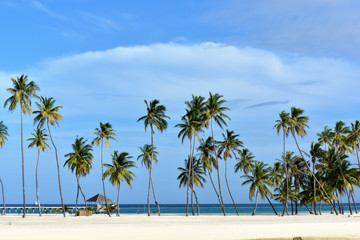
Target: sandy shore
x=133, y=227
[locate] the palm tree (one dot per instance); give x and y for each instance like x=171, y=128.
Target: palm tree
x=22, y=92
x=228, y=148
x=354, y=138
x=3, y=138
x=197, y=174
x=298, y=125
x=80, y=162
x=326, y=137
x=119, y=172
x=189, y=129
x=315, y=153
x=105, y=132
x=208, y=160
x=145, y=157
x=155, y=117
x=215, y=112
x=340, y=143
x=39, y=140
x=48, y=113
x=260, y=180
x=284, y=125
x=245, y=161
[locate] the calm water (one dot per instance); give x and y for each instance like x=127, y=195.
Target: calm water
x=245, y=209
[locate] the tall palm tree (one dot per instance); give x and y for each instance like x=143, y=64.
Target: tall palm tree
x=80, y=162
x=119, y=171
x=326, y=137
x=3, y=138
x=155, y=117
x=354, y=138
x=105, y=132
x=39, y=140
x=189, y=129
x=49, y=113
x=197, y=173
x=340, y=142
x=283, y=125
x=298, y=125
x=260, y=181
x=315, y=153
x=216, y=112
x=228, y=148
x=245, y=161
x=208, y=160
x=22, y=92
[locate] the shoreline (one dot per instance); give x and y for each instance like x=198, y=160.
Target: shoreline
x=134, y=226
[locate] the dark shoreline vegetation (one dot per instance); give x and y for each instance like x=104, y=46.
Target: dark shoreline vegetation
x=299, y=179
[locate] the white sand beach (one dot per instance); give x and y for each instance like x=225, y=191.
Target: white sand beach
x=178, y=227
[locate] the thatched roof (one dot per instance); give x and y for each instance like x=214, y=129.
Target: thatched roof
x=99, y=199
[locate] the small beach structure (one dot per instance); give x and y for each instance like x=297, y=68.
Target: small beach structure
x=98, y=201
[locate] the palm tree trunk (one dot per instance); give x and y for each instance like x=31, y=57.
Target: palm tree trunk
x=314, y=189
x=271, y=204
x=256, y=198
x=197, y=203
x=287, y=178
x=37, y=182
x=82, y=193
x=357, y=155
x=118, y=198
x=342, y=204
x=192, y=202
x=77, y=197
x=153, y=190
x=338, y=201
x=188, y=181
x=296, y=208
x=218, y=169
x=212, y=182
x=148, y=197
x=308, y=209
x=152, y=157
x=102, y=176
x=23, y=161
x=58, y=167
x=292, y=207
x=312, y=173
x=227, y=184
x=348, y=195
x=352, y=196
x=3, y=194
x=192, y=174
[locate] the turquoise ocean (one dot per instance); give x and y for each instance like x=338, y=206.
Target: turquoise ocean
x=244, y=209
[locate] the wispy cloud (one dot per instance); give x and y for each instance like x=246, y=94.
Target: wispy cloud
x=270, y=103
x=101, y=22
x=38, y=5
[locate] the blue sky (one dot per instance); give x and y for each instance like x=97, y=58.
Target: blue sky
x=101, y=60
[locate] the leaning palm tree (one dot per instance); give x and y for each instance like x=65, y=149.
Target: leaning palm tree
x=39, y=140
x=3, y=138
x=105, y=132
x=49, y=113
x=197, y=173
x=260, y=180
x=215, y=112
x=80, y=162
x=189, y=128
x=228, y=149
x=22, y=92
x=155, y=117
x=119, y=172
x=283, y=125
x=298, y=125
